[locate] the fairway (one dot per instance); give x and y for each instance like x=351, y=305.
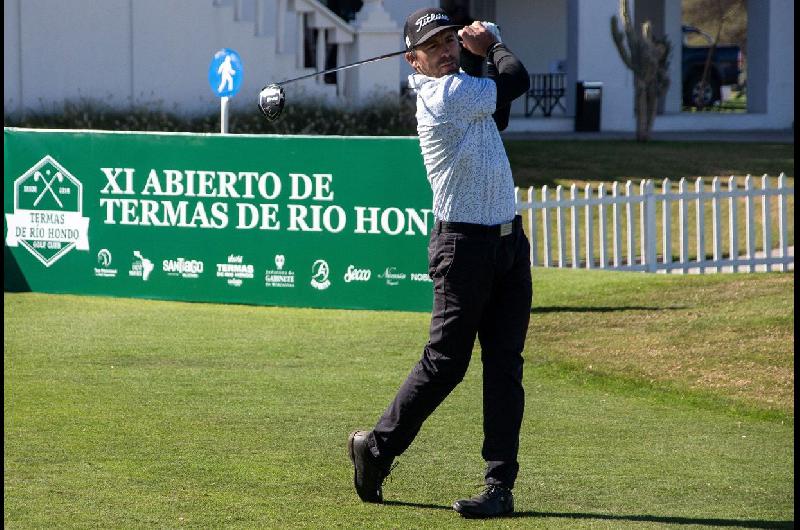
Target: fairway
x=652, y=401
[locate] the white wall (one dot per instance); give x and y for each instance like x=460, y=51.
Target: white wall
x=673, y=16
x=780, y=90
x=536, y=31
x=81, y=49
x=146, y=51
x=12, y=66
x=143, y=52
x=173, y=45
x=592, y=56
x=399, y=10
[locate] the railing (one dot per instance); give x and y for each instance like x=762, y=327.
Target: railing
x=687, y=209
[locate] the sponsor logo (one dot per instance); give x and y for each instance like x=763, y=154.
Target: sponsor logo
x=357, y=275
x=182, y=267
x=103, y=263
x=392, y=277
x=278, y=277
x=420, y=277
x=235, y=270
x=141, y=266
x=319, y=275
x=427, y=19
x=47, y=218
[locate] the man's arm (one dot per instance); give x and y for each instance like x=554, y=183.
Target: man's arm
x=508, y=73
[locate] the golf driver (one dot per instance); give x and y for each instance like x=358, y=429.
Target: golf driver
x=272, y=98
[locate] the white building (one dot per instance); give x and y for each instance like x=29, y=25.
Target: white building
x=157, y=53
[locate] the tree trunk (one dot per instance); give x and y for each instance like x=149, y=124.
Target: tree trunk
x=642, y=130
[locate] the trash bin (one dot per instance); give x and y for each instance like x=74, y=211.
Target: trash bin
x=589, y=96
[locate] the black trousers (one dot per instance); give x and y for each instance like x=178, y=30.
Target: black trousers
x=482, y=287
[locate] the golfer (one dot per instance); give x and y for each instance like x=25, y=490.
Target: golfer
x=478, y=259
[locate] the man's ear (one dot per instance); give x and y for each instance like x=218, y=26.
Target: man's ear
x=411, y=58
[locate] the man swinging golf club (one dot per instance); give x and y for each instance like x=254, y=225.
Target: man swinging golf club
x=478, y=259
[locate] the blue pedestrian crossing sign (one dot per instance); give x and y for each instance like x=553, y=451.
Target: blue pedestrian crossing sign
x=225, y=73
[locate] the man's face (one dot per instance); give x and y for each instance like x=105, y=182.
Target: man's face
x=438, y=56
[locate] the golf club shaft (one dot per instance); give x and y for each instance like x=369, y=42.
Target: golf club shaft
x=345, y=67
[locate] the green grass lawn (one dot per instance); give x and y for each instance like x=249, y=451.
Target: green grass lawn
x=651, y=401
x=554, y=162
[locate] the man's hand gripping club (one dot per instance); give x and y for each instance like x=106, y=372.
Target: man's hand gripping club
x=477, y=39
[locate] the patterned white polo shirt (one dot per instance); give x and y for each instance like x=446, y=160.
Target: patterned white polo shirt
x=465, y=158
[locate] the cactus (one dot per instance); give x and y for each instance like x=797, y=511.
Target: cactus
x=647, y=57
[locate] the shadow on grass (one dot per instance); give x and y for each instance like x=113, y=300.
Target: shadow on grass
x=419, y=505
x=736, y=523
x=601, y=309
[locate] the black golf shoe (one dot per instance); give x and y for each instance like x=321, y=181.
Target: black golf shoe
x=494, y=501
x=368, y=473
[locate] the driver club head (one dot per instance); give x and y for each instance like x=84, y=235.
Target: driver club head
x=271, y=100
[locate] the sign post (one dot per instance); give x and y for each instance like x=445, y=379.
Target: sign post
x=223, y=114
x=225, y=77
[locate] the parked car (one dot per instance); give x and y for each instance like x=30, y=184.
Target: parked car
x=726, y=65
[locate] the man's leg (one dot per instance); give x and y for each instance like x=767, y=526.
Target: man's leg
x=502, y=335
x=461, y=287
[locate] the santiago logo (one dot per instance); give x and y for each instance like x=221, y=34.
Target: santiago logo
x=185, y=268
x=319, y=275
x=47, y=218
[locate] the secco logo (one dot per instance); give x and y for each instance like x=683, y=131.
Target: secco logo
x=235, y=270
x=185, y=268
x=357, y=275
x=319, y=275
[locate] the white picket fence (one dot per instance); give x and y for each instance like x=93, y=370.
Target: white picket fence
x=575, y=242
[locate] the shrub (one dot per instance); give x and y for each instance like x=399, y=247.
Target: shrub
x=379, y=117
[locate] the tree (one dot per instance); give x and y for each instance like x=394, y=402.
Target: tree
x=647, y=57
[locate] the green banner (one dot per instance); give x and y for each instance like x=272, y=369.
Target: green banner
x=339, y=222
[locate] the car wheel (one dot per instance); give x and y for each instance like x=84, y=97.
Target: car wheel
x=706, y=96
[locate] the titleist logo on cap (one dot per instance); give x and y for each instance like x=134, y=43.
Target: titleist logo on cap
x=425, y=23
x=427, y=19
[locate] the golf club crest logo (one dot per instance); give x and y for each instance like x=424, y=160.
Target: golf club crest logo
x=47, y=219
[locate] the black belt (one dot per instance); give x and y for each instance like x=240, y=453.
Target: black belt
x=470, y=229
